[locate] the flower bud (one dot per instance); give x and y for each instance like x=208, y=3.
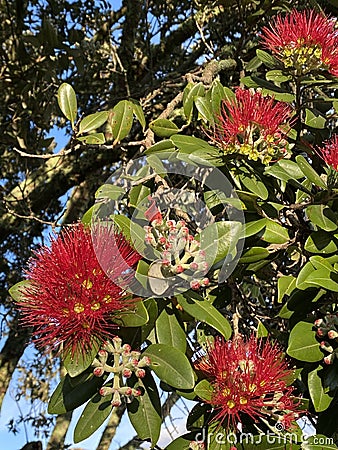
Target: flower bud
x=116, y=399
x=318, y=322
x=140, y=373
x=127, y=373
x=98, y=371
x=332, y=334
x=195, y=285
x=179, y=269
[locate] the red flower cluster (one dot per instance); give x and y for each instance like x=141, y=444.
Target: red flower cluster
x=251, y=378
x=329, y=152
x=253, y=125
x=71, y=299
x=303, y=40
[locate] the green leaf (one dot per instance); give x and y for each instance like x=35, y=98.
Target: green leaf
x=303, y=344
x=95, y=413
x=163, y=127
x=302, y=279
x=320, y=242
x=286, y=284
x=204, y=311
x=268, y=88
x=78, y=363
x=191, y=92
x=138, y=112
x=93, y=121
x=217, y=95
x=170, y=365
x=67, y=102
x=291, y=168
x=169, y=331
x=151, y=307
x=269, y=60
x=74, y=392
x=137, y=194
x=254, y=227
x=145, y=411
x=135, y=318
x=310, y=172
x=133, y=232
x=204, y=390
x=204, y=108
x=93, y=139
x=275, y=233
x=183, y=442
x=17, y=291
x=320, y=399
x=322, y=216
x=165, y=147
x=219, y=239
x=110, y=191
x=121, y=119
x=198, y=148
x=314, y=120
x=323, y=278
x=254, y=254
x=277, y=76
x=261, y=330
x=254, y=184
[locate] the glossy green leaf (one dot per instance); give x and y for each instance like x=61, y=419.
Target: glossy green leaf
x=183, y=442
x=93, y=121
x=310, y=172
x=219, y=239
x=95, y=413
x=254, y=185
x=198, y=148
x=314, y=120
x=93, y=139
x=204, y=390
x=170, y=365
x=277, y=76
x=204, y=108
x=169, y=331
x=303, y=344
x=74, y=392
x=17, y=290
x=321, y=242
x=191, y=92
x=286, y=284
x=262, y=331
x=138, y=112
x=254, y=227
x=302, y=279
x=320, y=399
x=121, y=120
x=254, y=254
x=165, y=147
x=275, y=233
x=269, y=60
x=137, y=317
x=291, y=168
x=67, y=102
x=137, y=194
x=163, y=127
x=145, y=411
x=132, y=231
x=322, y=216
x=323, y=278
x=268, y=88
x=151, y=307
x=110, y=191
x=202, y=310
x=78, y=363
x=217, y=96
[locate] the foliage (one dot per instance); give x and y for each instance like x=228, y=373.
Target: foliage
x=141, y=103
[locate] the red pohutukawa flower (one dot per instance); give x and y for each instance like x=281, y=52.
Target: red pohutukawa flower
x=71, y=298
x=329, y=151
x=248, y=378
x=253, y=125
x=304, y=40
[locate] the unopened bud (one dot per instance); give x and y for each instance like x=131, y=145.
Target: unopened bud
x=140, y=373
x=116, y=399
x=162, y=240
x=137, y=392
x=127, y=373
x=193, y=266
x=332, y=334
x=205, y=281
x=318, y=322
x=179, y=269
x=195, y=285
x=329, y=359
x=98, y=371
